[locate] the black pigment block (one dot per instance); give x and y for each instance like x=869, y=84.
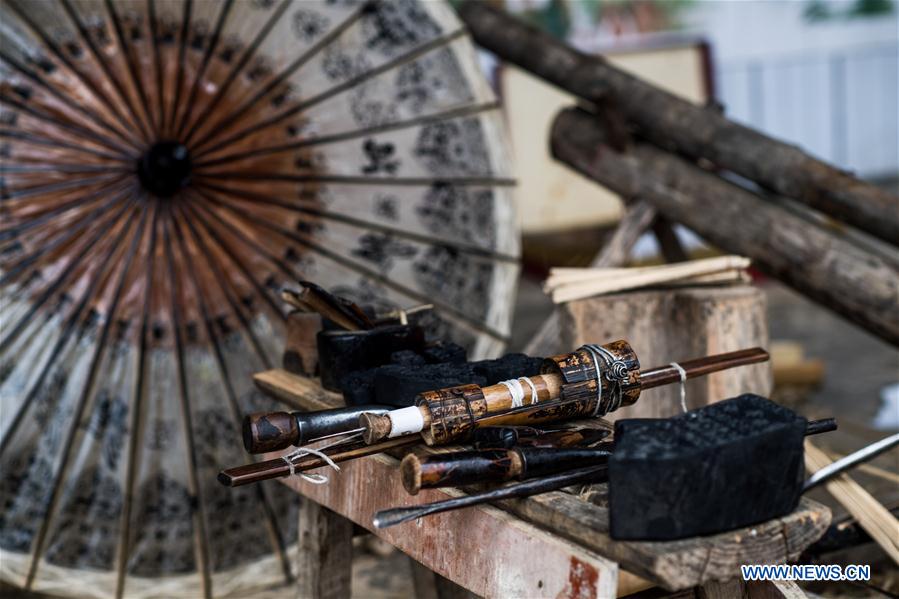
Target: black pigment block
x=407, y=357
x=510, y=366
x=343, y=352
x=399, y=385
x=359, y=387
x=731, y=464
x=444, y=351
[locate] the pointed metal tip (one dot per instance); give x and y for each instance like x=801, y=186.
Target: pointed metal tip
x=392, y=517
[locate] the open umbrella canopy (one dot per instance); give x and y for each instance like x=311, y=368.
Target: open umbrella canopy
x=166, y=166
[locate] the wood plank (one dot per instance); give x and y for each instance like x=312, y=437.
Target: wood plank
x=366, y=485
x=534, y=562
x=325, y=555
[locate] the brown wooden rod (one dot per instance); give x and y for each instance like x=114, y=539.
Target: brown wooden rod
x=278, y=468
x=693, y=130
x=823, y=265
x=667, y=375
x=355, y=448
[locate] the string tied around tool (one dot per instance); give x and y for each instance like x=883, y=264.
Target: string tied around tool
x=315, y=479
x=683, y=385
x=615, y=372
x=516, y=390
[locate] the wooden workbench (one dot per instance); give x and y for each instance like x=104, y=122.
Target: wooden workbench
x=551, y=545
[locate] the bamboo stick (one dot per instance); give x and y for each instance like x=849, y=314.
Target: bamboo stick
x=871, y=515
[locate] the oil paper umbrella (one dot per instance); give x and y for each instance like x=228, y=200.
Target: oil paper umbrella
x=166, y=166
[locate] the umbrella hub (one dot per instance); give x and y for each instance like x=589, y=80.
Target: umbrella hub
x=165, y=168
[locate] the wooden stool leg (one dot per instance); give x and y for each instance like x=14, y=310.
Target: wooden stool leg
x=325, y=557
x=430, y=585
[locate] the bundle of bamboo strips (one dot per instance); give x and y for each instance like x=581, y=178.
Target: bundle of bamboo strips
x=569, y=284
x=873, y=517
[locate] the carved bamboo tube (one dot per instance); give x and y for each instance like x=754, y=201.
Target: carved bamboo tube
x=591, y=381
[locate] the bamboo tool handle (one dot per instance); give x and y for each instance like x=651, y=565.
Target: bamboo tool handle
x=493, y=405
x=312, y=297
x=272, y=431
x=463, y=468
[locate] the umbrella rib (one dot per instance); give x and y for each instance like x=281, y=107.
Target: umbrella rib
x=457, y=112
x=438, y=42
x=28, y=73
x=126, y=48
x=179, y=74
x=271, y=523
x=124, y=153
x=220, y=278
x=204, y=63
x=30, y=137
x=35, y=220
x=157, y=65
x=137, y=414
x=53, y=503
x=68, y=233
x=68, y=328
x=363, y=224
x=24, y=192
x=104, y=66
x=238, y=67
x=243, y=269
x=367, y=272
x=200, y=535
x=301, y=60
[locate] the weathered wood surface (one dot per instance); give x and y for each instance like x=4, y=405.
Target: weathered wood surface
x=670, y=121
x=638, y=217
x=855, y=283
x=325, y=555
x=677, y=324
x=366, y=485
x=738, y=589
x=483, y=549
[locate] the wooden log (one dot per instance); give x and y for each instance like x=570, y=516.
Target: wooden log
x=639, y=216
x=693, y=130
x=859, y=285
x=668, y=325
x=325, y=553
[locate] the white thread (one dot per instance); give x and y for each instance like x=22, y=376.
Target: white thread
x=683, y=385
x=405, y=421
x=534, y=398
x=515, y=390
x=315, y=479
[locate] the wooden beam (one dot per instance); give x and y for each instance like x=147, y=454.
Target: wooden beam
x=851, y=281
x=671, y=121
x=325, y=556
